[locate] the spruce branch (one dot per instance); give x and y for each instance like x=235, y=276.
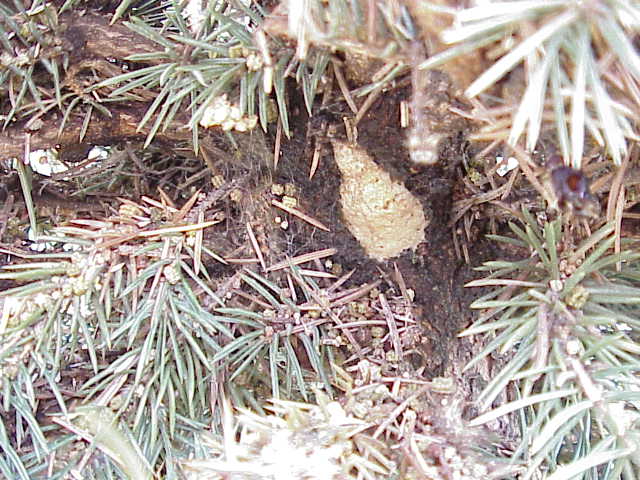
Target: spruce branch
x=568, y=320
x=208, y=54
x=575, y=56
x=67, y=307
x=74, y=49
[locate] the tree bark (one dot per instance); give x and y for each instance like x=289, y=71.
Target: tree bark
x=90, y=42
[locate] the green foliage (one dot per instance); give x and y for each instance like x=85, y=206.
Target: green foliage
x=300, y=439
x=136, y=294
x=127, y=320
x=569, y=322
x=33, y=63
x=576, y=53
x=80, y=306
x=383, y=30
x=28, y=42
x=272, y=336
x=203, y=55
x=194, y=64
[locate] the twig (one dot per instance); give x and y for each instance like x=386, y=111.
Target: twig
x=615, y=188
x=197, y=249
x=300, y=215
x=393, y=328
x=344, y=88
x=401, y=283
x=355, y=294
x=316, y=273
x=307, y=257
x=338, y=283
x=153, y=202
x=398, y=410
x=256, y=247
x=181, y=229
x=241, y=261
x=618, y=224
x=276, y=148
x=371, y=98
x=315, y=160
x=186, y=207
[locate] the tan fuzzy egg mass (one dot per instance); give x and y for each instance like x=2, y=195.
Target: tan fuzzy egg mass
x=381, y=213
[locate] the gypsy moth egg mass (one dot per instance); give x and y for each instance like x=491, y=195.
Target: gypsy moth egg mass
x=379, y=212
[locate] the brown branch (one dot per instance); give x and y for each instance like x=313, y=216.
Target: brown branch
x=101, y=131
x=91, y=36
x=90, y=40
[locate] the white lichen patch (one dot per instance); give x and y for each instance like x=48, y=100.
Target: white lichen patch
x=380, y=212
